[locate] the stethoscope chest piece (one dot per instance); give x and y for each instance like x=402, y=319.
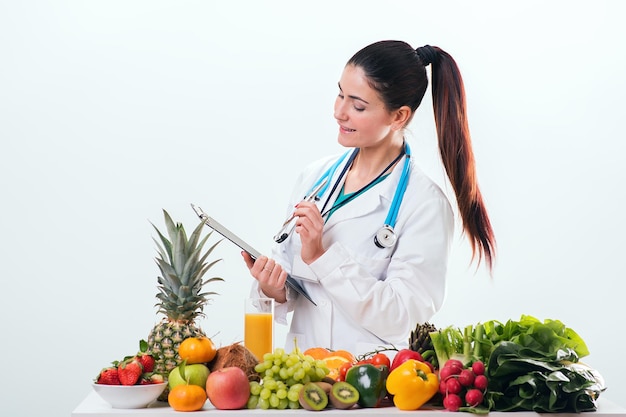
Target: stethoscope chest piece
x=385, y=237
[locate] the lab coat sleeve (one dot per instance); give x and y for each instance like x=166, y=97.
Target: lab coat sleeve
x=305, y=179
x=414, y=286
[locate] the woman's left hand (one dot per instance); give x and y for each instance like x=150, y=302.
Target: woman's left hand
x=309, y=226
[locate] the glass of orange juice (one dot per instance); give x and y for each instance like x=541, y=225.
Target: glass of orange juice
x=259, y=326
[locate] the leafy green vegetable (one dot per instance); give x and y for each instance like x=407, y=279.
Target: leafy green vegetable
x=526, y=379
x=531, y=365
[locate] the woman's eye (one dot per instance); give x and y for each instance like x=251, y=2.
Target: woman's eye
x=359, y=108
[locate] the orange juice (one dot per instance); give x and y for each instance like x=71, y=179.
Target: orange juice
x=258, y=337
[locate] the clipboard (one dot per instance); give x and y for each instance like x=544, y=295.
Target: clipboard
x=222, y=230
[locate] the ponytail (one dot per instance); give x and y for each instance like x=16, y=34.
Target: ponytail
x=398, y=73
x=456, y=152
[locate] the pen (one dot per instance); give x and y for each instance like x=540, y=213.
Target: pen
x=290, y=223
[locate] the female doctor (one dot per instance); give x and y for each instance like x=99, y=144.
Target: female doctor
x=371, y=246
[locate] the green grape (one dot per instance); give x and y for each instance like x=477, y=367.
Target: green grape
x=279, y=352
x=299, y=375
x=274, y=400
x=321, y=372
x=259, y=368
x=283, y=403
x=306, y=366
x=255, y=388
x=290, y=371
x=276, y=369
x=294, y=405
x=293, y=395
x=270, y=384
x=265, y=393
x=264, y=404
x=253, y=401
x=269, y=372
x=281, y=393
x=268, y=357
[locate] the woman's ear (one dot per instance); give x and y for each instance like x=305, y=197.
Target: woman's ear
x=401, y=117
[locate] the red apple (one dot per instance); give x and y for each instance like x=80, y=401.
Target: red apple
x=228, y=388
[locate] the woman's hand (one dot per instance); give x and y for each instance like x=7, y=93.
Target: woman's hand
x=309, y=226
x=270, y=275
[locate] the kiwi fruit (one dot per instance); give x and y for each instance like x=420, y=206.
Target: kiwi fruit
x=325, y=386
x=313, y=397
x=343, y=395
x=329, y=380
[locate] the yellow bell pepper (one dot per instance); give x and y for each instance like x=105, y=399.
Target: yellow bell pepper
x=412, y=385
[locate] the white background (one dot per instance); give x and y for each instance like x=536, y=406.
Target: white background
x=112, y=110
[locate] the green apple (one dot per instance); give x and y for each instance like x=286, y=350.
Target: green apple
x=195, y=374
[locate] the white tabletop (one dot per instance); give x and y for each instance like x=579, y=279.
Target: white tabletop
x=94, y=406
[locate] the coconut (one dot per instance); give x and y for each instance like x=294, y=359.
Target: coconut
x=236, y=355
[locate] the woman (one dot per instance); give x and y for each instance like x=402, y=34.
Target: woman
x=366, y=293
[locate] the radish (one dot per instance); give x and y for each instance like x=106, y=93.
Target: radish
x=466, y=377
x=478, y=368
x=481, y=382
x=473, y=397
x=453, y=386
x=452, y=402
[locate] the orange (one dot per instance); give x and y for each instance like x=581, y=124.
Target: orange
x=334, y=363
x=197, y=350
x=317, y=352
x=187, y=397
x=345, y=354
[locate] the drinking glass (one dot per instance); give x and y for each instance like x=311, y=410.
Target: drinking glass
x=259, y=326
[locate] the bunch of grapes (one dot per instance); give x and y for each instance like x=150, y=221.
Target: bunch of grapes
x=282, y=377
x=461, y=385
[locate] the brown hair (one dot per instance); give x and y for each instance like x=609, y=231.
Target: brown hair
x=398, y=73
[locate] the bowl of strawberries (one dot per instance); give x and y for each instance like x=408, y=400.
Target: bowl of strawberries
x=130, y=383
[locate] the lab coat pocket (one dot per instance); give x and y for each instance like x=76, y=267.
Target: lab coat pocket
x=374, y=266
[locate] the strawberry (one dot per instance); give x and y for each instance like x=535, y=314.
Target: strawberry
x=129, y=371
x=157, y=378
x=108, y=376
x=147, y=361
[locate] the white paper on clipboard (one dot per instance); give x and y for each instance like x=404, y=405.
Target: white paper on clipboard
x=222, y=230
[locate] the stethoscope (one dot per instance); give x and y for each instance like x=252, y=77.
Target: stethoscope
x=386, y=236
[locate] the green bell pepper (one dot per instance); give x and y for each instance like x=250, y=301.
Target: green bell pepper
x=370, y=381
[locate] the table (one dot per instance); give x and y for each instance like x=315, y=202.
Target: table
x=94, y=406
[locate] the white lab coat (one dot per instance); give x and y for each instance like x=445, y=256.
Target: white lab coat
x=366, y=296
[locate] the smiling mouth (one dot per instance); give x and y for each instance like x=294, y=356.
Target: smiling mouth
x=346, y=129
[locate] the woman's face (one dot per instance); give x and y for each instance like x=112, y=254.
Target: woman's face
x=362, y=117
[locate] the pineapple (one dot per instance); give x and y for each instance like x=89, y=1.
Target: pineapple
x=180, y=296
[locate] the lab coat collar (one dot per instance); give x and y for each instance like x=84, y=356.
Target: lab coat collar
x=371, y=200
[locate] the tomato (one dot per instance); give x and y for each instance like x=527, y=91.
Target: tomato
x=381, y=359
x=403, y=355
x=343, y=369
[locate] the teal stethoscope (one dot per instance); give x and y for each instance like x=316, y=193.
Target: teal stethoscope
x=385, y=237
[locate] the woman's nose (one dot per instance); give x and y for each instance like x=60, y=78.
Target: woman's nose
x=339, y=112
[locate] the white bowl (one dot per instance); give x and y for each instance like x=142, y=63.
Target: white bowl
x=129, y=396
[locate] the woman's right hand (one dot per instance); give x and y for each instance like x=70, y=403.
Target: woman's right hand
x=270, y=276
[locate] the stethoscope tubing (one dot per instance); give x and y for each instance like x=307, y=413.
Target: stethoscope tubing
x=392, y=216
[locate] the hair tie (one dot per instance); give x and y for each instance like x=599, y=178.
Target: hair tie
x=427, y=54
